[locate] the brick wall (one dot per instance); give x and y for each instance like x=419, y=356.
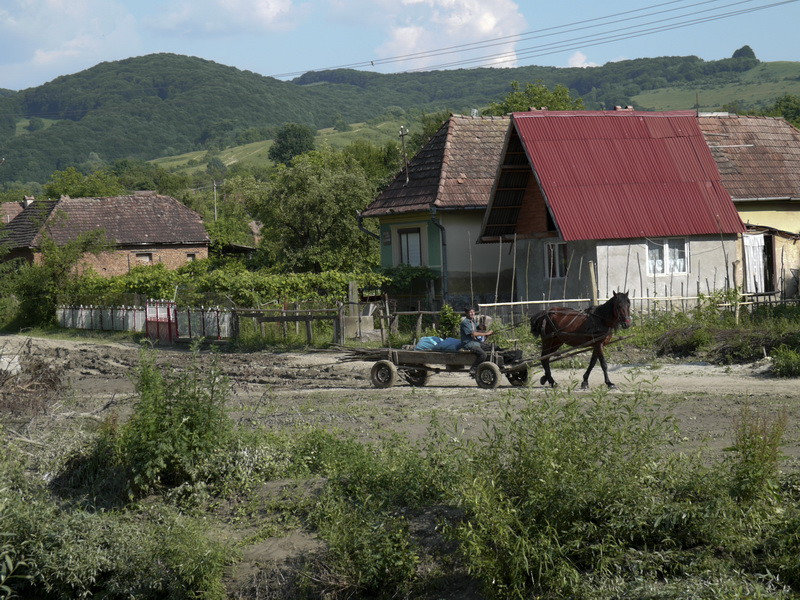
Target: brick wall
x=121, y=260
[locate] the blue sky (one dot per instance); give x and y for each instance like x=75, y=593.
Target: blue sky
x=42, y=39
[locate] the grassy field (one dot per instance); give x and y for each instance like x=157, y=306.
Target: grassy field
x=764, y=83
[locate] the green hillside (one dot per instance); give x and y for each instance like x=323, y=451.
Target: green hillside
x=756, y=87
x=166, y=105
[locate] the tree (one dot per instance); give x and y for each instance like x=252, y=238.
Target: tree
x=309, y=215
x=42, y=285
x=72, y=182
x=291, y=140
x=744, y=52
x=535, y=95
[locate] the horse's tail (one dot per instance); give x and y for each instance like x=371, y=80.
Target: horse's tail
x=537, y=322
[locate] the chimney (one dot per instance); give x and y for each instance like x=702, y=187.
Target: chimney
x=27, y=201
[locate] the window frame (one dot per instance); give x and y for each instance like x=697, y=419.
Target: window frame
x=403, y=246
x=668, y=244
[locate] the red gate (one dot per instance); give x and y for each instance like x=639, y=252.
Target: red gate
x=161, y=321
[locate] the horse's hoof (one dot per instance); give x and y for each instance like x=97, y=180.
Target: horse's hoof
x=585, y=385
x=543, y=380
x=611, y=386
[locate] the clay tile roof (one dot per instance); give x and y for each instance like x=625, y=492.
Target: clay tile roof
x=9, y=210
x=454, y=170
x=757, y=157
x=137, y=219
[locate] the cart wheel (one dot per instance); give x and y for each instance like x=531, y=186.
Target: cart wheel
x=416, y=377
x=383, y=374
x=487, y=375
x=517, y=378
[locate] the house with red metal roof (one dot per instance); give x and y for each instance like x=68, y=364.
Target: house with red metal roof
x=430, y=215
x=615, y=200
x=758, y=159
x=143, y=228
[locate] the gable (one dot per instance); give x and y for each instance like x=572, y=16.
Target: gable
x=617, y=175
x=454, y=170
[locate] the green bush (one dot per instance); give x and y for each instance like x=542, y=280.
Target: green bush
x=179, y=423
x=449, y=321
x=786, y=361
x=567, y=497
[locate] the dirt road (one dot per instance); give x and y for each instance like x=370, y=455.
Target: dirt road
x=284, y=389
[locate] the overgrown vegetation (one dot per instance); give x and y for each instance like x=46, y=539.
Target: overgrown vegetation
x=562, y=495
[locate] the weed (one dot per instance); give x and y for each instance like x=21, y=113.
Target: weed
x=785, y=361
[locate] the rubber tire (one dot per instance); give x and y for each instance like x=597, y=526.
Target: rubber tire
x=487, y=376
x=417, y=377
x=383, y=374
x=518, y=378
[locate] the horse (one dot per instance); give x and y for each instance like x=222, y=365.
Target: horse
x=591, y=327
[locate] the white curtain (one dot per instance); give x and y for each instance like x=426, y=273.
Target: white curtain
x=754, y=262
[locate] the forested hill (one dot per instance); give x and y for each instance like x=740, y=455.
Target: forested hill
x=164, y=104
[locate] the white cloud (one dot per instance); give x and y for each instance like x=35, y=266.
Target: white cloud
x=420, y=26
x=42, y=39
x=579, y=59
x=188, y=17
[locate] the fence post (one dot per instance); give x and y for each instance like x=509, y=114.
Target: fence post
x=593, y=280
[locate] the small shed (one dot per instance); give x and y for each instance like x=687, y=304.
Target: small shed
x=759, y=162
x=636, y=195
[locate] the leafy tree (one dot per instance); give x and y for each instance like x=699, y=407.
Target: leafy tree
x=292, y=140
x=379, y=162
x=535, y=95
x=40, y=286
x=744, y=52
x=309, y=219
x=428, y=125
x=788, y=107
x=75, y=184
x=35, y=124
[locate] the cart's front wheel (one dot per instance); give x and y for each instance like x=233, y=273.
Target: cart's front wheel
x=518, y=378
x=487, y=375
x=383, y=374
x=417, y=377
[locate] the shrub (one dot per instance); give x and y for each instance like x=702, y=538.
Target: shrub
x=785, y=362
x=449, y=320
x=177, y=426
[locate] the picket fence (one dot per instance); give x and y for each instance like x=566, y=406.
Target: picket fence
x=159, y=319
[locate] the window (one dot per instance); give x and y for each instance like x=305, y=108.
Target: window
x=410, y=247
x=556, y=260
x=667, y=256
x=191, y=257
x=144, y=258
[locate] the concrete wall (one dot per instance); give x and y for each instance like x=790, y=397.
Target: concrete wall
x=621, y=265
x=779, y=215
x=472, y=268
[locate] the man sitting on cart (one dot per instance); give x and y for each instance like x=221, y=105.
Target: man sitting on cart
x=471, y=338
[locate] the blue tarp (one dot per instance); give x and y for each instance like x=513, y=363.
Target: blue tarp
x=438, y=344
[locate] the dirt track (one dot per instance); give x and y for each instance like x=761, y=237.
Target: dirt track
x=282, y=389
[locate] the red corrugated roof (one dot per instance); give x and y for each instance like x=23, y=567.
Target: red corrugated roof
x=626, y=174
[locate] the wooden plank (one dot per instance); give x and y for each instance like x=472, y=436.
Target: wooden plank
x=420, y=357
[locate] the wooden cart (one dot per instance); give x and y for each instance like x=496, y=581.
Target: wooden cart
x=417, y=366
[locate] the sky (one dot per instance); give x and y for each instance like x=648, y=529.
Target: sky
x=43, y=39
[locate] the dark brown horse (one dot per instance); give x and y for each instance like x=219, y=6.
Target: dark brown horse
x=591, y=327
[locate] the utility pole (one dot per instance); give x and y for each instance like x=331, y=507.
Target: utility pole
x=215, y=200
x=403, y=134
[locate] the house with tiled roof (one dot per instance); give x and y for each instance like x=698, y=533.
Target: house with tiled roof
x=143, y=228
x=430, y=214
x=9, y=210
x=758, y=159
x=597, y=201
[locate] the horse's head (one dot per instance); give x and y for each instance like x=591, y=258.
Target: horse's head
x=622, y=309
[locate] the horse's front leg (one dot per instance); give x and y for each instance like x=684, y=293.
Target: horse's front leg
x=596, y=352
x=610, y=385
x=548, y=349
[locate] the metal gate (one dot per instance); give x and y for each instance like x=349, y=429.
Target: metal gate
x=161, y=321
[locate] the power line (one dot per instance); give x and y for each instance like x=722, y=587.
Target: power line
x=568, y=28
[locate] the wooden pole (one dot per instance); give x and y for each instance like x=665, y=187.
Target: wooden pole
x=593, y=279
x=499, y=260
x=469, y=249
x=513, y=273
